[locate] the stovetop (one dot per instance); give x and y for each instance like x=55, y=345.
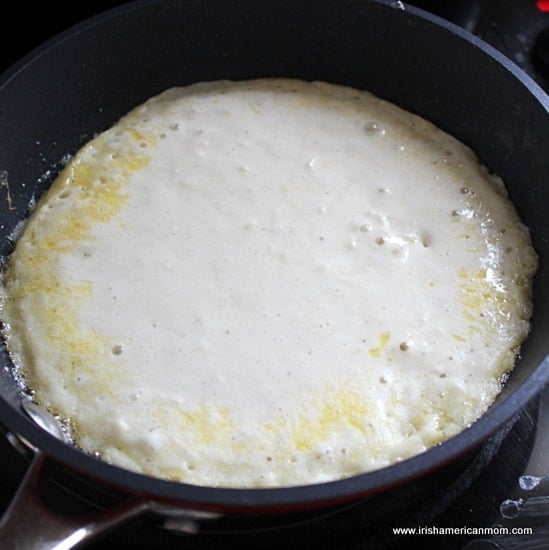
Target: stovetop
x=511, y=490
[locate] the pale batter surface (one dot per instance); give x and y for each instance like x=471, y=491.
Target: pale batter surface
x=268, y=283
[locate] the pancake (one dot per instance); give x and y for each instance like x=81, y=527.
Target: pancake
x=268, y=283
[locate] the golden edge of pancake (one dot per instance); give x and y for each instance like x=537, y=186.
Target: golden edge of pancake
x=31, y=272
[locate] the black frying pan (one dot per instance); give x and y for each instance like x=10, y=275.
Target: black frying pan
x=80, y=82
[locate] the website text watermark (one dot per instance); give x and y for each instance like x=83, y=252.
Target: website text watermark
x=490, y=531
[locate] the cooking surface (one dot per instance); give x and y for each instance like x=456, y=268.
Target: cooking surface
x=511, y=490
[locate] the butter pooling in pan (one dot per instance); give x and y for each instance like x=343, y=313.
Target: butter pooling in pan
x=268, y=283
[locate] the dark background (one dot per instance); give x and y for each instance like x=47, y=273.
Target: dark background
x=26, y=25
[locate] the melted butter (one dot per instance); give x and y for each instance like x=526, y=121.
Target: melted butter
x=382, y=341
x=268, y=283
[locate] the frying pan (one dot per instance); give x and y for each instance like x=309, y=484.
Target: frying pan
x=83, y=80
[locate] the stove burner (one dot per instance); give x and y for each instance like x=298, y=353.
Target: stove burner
x=519, y=29
x=466, y=496
x=540, y=54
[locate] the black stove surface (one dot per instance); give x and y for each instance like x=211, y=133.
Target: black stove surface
x=517, y=28
x=506, y=484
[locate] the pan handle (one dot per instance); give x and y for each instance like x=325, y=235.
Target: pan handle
x=30, y=525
